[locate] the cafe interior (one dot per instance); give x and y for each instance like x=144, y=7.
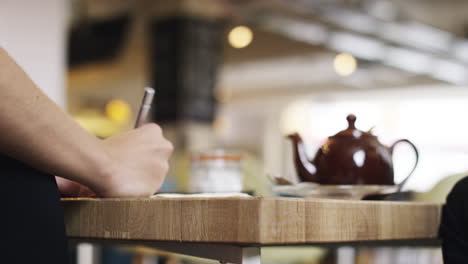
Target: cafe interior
x=255, y=94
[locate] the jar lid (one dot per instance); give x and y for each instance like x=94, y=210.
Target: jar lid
x=217, y=154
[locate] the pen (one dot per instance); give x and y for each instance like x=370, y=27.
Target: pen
x=145, y=107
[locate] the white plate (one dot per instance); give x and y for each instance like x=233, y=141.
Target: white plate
x=348, y=192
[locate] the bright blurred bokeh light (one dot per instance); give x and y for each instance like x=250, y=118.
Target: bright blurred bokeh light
x=345, y=64
x=118, y=111
x=93, y=121
x=240, y=37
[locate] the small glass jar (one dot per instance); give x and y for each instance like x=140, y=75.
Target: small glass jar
x=216, y=171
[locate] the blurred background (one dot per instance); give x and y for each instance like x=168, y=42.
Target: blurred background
x=240, y=74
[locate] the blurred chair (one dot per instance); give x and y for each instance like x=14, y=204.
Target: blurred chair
x=440, y=191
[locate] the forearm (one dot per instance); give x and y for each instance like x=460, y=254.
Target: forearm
x=36, y=131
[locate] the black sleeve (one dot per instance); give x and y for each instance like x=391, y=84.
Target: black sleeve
x=454, y=225
x=32, y=217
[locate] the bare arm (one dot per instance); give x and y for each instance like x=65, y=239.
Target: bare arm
x=37, y=132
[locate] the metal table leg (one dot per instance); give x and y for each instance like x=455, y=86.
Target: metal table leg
x=250, y=255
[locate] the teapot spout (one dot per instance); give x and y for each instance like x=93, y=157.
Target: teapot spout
x=305, y=169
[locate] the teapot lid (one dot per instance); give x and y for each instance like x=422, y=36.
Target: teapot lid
x=352, y=130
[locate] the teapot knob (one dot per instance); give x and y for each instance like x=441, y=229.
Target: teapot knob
x=351, y=120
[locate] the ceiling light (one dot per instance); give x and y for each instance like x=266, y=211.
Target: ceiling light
x=240, y=37
x=345, y=64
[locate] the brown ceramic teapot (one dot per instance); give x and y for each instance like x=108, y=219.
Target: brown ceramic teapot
x=350, y=157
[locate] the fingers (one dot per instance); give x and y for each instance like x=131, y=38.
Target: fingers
x=165, y=167
x=155, y=132
x=162, y=147
x=143, y=153
x=153, y=127
x=167, y=145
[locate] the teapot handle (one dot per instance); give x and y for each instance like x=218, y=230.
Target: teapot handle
x=392, y=147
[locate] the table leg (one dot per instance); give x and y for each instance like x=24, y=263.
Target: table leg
x=346, y=255
x=87, y=253
x=250, y=255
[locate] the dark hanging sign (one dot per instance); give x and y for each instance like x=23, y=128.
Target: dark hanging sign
x=186, y=54
x=94, y=40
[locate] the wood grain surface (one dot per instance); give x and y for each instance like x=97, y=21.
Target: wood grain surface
x=250, y=220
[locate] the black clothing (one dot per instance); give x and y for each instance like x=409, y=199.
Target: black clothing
x=33, y=229
x=454, y=225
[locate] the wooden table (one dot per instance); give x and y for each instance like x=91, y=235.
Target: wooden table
x=233, y=229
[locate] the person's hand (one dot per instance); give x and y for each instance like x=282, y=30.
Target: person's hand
x=138, y=163
x=70, y=188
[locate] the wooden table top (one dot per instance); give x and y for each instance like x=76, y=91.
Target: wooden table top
x=250, y=220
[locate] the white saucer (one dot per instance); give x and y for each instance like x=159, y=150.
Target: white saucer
x=347, y=192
